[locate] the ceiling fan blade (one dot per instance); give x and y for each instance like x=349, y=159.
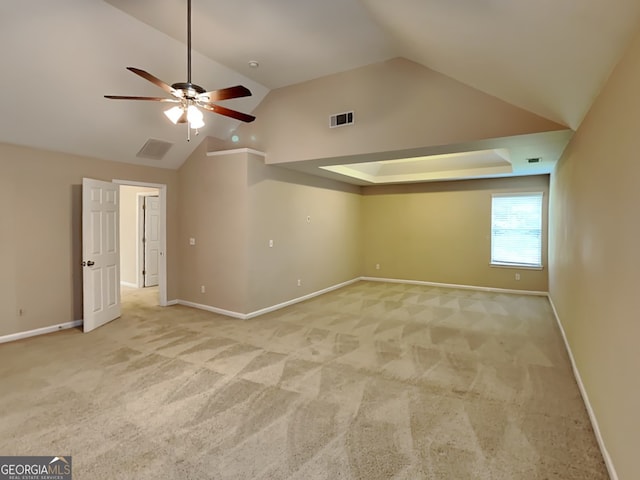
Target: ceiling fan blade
x=225, y=94
x=151, y=99
x=154, y=80
x=228, y=112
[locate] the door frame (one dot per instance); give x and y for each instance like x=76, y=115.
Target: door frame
x=162, y=261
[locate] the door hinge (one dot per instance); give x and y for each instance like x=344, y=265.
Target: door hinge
x=144, y=272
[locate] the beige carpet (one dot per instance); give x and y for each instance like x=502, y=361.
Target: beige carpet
x=373, y=381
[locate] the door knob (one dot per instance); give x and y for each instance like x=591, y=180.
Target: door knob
x=88, y=264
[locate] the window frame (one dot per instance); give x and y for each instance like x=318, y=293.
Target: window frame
x=510, y=264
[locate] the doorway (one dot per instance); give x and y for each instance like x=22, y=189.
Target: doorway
x=143, y=239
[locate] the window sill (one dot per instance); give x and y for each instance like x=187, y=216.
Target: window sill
x=517, y=265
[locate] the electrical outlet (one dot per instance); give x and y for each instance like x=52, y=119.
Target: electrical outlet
x=271, y=243
x=517, y=276
x=377, y=266
x=299, y=282
x=202, y=289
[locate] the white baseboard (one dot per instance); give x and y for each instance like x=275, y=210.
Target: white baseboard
x=262, y=311
x=452, y=285
x=209, y=308
x=585, y=398
x=128, y=284
x=273, y=308
x=39, y=331
x=170, y=302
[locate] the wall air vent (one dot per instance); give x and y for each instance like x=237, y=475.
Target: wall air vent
x=154, y=149
x=533, y=160
x=341, y=119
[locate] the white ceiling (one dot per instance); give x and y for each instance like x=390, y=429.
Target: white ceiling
x=550, y=57
x=58, y=58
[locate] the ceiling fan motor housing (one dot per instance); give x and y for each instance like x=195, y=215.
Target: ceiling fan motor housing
x=190, y=90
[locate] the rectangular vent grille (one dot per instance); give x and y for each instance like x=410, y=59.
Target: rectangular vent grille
x=154, y=149
x=533, y=160
x=341, y=119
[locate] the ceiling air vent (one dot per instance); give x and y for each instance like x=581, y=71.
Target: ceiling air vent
x=341, y=119
x=154, y=149
x=533, y=160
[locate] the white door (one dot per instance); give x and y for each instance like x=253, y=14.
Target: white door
x=151, y=239
x=100, y=253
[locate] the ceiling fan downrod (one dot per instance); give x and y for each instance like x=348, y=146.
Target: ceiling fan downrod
x=189, y=41
x=191, y=90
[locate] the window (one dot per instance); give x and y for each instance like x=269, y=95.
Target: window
x=516, y=230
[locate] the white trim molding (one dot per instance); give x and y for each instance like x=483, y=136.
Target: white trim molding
x=585, y=398
x=236, y=150
x=39, y=331
x=262, y=311
x=273, y=308
x=211, y=309
x=452, y=285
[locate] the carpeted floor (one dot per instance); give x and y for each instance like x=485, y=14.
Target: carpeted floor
x=372, y=381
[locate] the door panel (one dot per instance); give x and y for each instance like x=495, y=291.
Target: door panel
x=96, y=291
x=151, y=240
x=100, y=253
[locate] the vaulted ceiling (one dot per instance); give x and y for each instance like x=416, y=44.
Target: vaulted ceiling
x=59, y=58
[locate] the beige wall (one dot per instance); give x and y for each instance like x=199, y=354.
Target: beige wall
x=398, y=105
x=9, y=240
x=40, y=249
x=322, y=252
x=129, y=231
x=213, y=210
x=233, y=204
x=595, y=257
x=440, y=232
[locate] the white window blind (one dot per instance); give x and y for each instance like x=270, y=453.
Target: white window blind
x=516, y=229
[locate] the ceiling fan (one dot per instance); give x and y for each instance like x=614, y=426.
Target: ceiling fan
x=189, y=97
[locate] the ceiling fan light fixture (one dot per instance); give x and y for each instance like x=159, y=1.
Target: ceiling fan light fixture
x=174, y=114
x=196, y=124
x=190, y=96
x=195, y=115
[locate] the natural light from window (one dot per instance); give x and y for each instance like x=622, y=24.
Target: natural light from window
x=516, y=230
